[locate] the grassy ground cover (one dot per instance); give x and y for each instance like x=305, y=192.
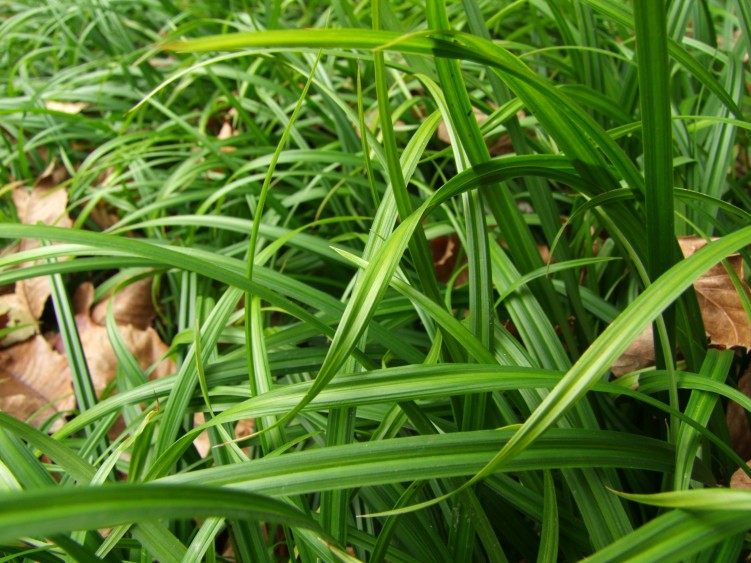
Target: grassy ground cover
x=406, y=244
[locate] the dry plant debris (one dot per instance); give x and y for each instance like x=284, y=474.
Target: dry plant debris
x=725, y=320
x=71, y=108
x=737, y=421
x=740, y=480
x=34, y=371
x=144, y=343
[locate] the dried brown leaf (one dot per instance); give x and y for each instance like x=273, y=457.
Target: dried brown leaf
x=41, y=204
x=737, y=421
x=131, y=305
x=740, y=480
x=52, y=177
x=83, y=299
x=725, y=320
x=498, y=146
x=15, y=314
x=444, y=250
x=35, y=372
x=45, y=205
x=227, y=131
x=245, y=427
x=202, y=443
x=639, y=355
x=103, y=217
x=145, y=345
x=34, y=376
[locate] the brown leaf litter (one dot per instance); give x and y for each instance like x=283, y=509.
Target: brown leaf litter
x=34, y=372
x=725, y=319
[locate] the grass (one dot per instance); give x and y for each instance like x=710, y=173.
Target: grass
x=401, y=414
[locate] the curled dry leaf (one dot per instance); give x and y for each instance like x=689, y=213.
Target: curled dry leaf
x=245, y=427
x=52, y=177
x=145, y=344
x=202, y=443
x=132, y=305
x=725, y=319
x=34, y=377
x=640, y=354
x=444, y=250
x=740, y=480
x=737, y=421
x=15, y=319
x=34, y=374
x=228, y=130
x=44, y=205
x=102, y=213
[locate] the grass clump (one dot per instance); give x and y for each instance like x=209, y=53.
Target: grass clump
x=408, y=242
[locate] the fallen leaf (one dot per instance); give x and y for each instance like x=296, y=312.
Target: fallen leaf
x=145, y=344
x=725, y=320
x=227, y=130
x=244, y=428
x=640, y=354
x=737, y=419
x=16, y=319
x=444, y=250
x=202, y=443
x=132, y=305
x=52, y=176
x=740, y=480
x=103, y=217
x=34, y=377
x=44, y=205
x=102, y=213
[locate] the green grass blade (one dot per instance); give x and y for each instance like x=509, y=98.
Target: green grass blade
x=654, y=86
x=549, y=537
x=699, y=407
x=63, y=509
x=614, y=341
